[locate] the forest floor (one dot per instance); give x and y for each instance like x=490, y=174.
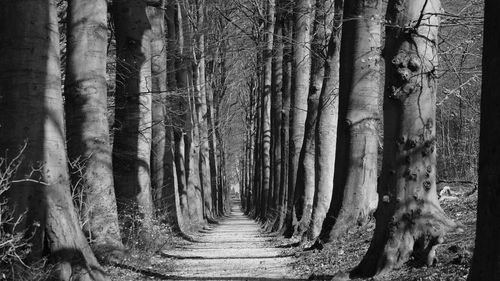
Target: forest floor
x=236, y=249
x=454, y=255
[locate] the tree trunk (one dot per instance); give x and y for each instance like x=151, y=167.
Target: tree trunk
x=132, y=142
x=276, y=120
x=486, y=260
x=159, y=147
x=306, y=170
x=201, y=111
x=355, y=181
x=410, y=221
x=32, y=112
x=192, y=140
x=87, y=123
x=304, y=14
x=326, y=131
x=176, y=83
x=266, y=109
x=189, y=132
x=287, y=24
x=212, y=149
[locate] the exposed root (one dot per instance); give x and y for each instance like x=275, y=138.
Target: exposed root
x=413, y=237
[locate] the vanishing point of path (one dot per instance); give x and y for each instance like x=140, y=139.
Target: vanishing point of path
x=235, y=249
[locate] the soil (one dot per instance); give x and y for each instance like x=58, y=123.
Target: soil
x=237, y=249
x=233, y=249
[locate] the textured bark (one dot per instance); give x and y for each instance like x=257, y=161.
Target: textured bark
x=200, y=99
x=304, y=14
x=251, y=154
x=285, y=118
x=87, y=123
x=219, y=147
x=212, y=149
x=160, y=174
x=31, y=111
x=326, y=131
x=257, y=186
x=266, y=109
x=176, y=82
x=486, y=260
x=355, y=181
x=410, y=221
x=306, y=170
x=132, y=142
x=276, y=113
x=192, y=140
x=190, y=131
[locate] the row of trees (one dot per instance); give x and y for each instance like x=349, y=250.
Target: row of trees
x=151, y=151
x=311, y=168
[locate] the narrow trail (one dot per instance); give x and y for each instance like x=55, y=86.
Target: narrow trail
x=235, y=249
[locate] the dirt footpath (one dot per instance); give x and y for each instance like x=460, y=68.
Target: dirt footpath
x=232, y=250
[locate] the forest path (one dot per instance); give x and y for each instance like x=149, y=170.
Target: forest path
x=234, y=249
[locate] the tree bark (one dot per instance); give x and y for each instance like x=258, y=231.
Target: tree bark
x=276, y=113
x=326, y=131
x=304, y=14
x=87, y=123
x=201, y=110
x=410, y=221
x=266, y=109
x=212, y=149
x=486, y=260
x=287, y=23
x=355, y=181
x=160, y=174
x=322, y=29
x=32, y=112
x=133, y=119
x=176, y=82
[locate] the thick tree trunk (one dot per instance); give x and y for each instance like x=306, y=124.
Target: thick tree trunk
x=32, y=112
x=212, y=150
x=176, y=83
x=201, y=111
x=258, y=159
x=355, y=182
x=326, y=131
x=304, y=14
x=486, y=260
x=410, y=221
x=276, y=113
x=306, y=170
x=190, y=130
x=287, y=24
x=192, y=140
x=132, y=142
x=266, y=109
x=160, y=175
x=87, y=123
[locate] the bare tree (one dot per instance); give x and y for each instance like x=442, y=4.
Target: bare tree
x=301, y=72
x=87, y=123
x=133, y=117
x=410, y=221
x=32, y=111
x=355, y=181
